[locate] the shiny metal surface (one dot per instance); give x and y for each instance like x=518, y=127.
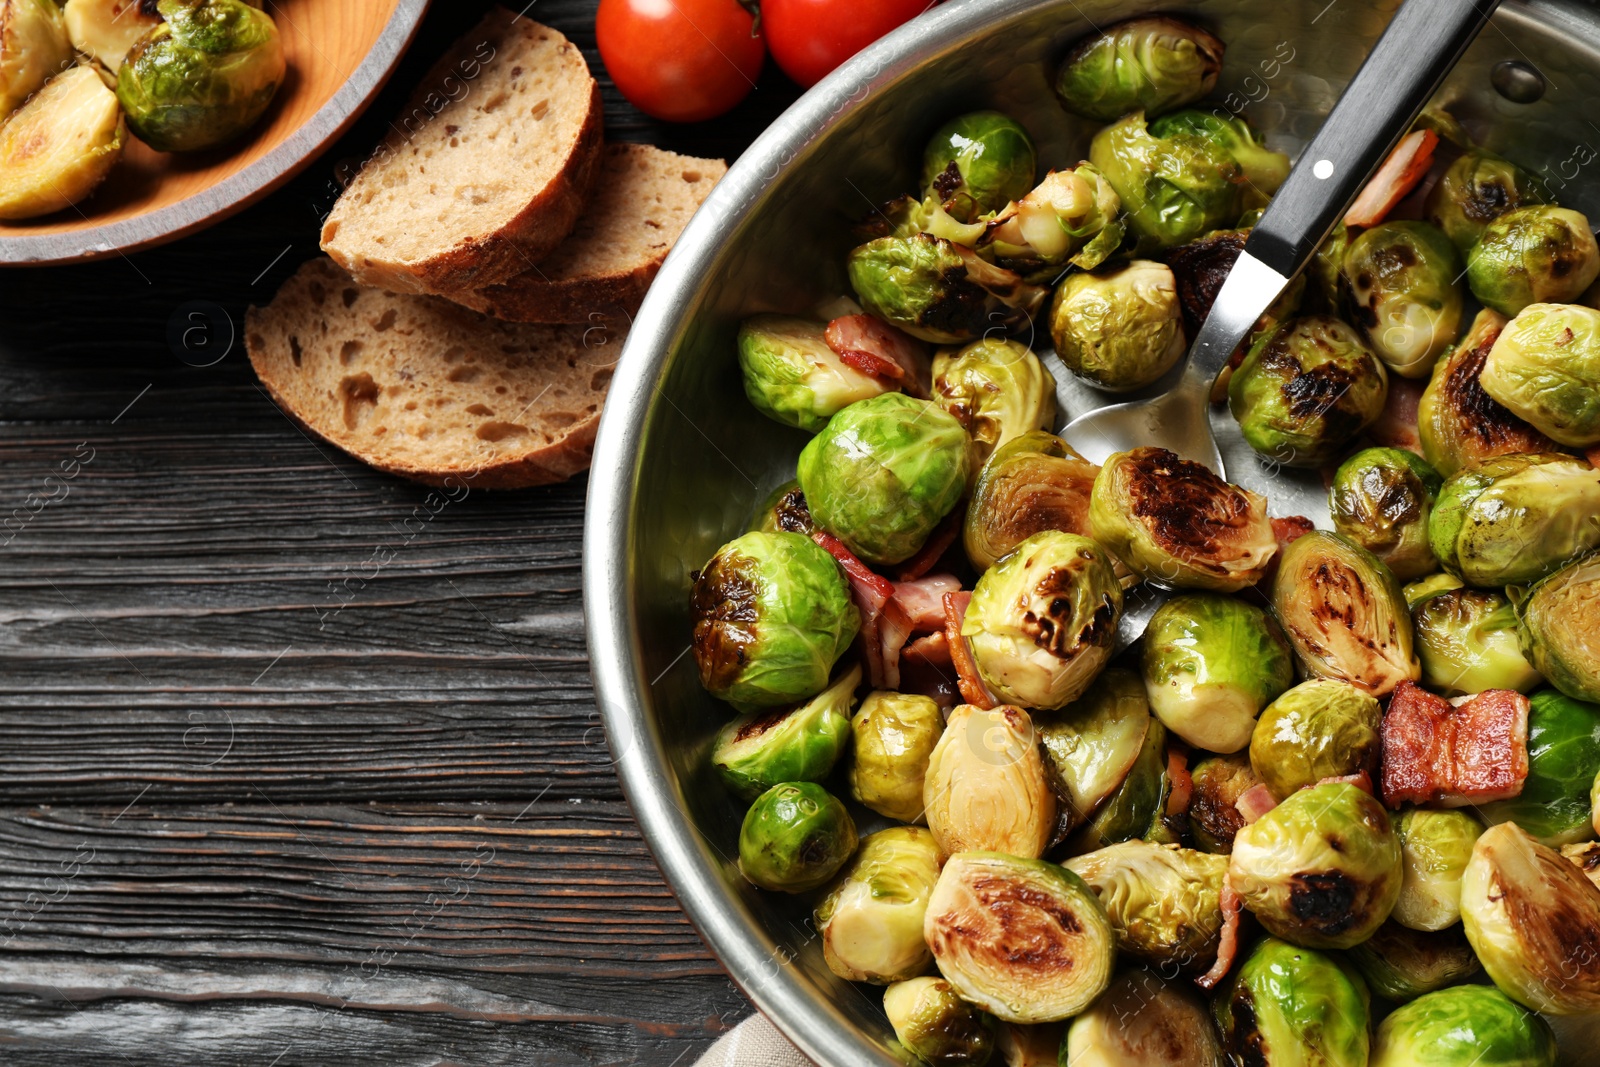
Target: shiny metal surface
x=682, y=458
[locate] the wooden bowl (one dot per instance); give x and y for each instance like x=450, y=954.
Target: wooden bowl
x=340, y=52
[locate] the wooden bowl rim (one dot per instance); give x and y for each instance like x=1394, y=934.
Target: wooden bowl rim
x=237, y=191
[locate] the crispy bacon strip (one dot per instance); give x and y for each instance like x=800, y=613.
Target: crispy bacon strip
x=926, y=669
x=1290, y=529
x=871, y=592
x=1182, y=782
x=1399, y=174
x=873, y=347
x=973, y=691
x=1434, y=753
x=854, y=569
x=1228, y=946
x=1255, y=802
x=923, y=600
x=943, y=536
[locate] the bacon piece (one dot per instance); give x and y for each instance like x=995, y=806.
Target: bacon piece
x=1361, y=780
x=973, y=691
x=854, y=569
x=1434, y=753
x=1228, y=946
x=1182, y=782
x=873, y=347
x=923, y=600
x=1255, y=802
x=1290, y=529
x=1399, y=174
x=1397, y=425
x=926, y=669
x=871, y=591
x=1593, y=456
x=943, y=536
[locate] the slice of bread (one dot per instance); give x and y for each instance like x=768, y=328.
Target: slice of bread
x=487, y=170
x=419, y=387
x=642, y=200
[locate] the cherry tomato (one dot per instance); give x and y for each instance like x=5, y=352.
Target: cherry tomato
x=809, y=38
x=679, y=60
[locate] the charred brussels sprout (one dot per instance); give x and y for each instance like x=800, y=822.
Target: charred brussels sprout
x=1320, y=869
x=1263, y=169
x=1403, y=286
x=784, y=509
x=1293, y=1006
x=772, y=616
x=33, y=47
x=1533, y=255
x=1545, y=369
x=1319, y=729
x=1534, y=920
x=1306, y=390
x=1563, y=756
x=1211, y=663
x=871, y=920
x=1477, y=189
x=1042, y=620
x=1141, y=1019
x=1174, y=189
x=795, y=837
x=1400, y=964
x=1467, y=642
x=202, y=77
x=937, y=290
x=983, y=154
x=1560, y=628
x=1514, y=519
x=1174, y=522
x=937, y=1026
x=1163, y=901
x=1219, y=782
x=59, y=146
x=755, y=752
x=106, y=30
x=1344, y=613
x=986, y=787
x=791, y=375
x=894, y=737
x=1381, y=499
x=1434, y=849
x=1032, y=483
x=1094, y=747
x=882, y=473
x=997, y=390
x=1146, y=64
x=987, y=905
x=1468, y=1026
x=1121, y=330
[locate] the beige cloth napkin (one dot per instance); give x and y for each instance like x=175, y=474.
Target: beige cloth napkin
x=753, y=1043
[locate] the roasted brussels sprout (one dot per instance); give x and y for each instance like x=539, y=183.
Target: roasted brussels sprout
x=1141, y=1019
x=936, y=1026
x=795, y=837
x=1325, y=272
x=1533, y=255
x=937, y=290
x=1401, y=964
x=1134, y=809
x=1032, y=483
x=1211, y=663
x=1121, y=330
x=59, y=146
x=1434, y=849
x=871, y=920
x=882, y=473
x=755, y=752
x=1174, y=522
x=1563, y=756
x=1219, y=782
x=894, y=738
x=1534, y=920
x=986, y=787
x=1149, y=64
x=1319, y=729
x=1344, y=613
x=1545, y=369
x=1467, y=642
x=1320, y=869
x=1475, y=190
x=1094, y=746
x=1516, y=518
x=1290, y=1005
x=1468, y=1026
x=784, y=509
x=1174, y=189
x=1381, y=499
x=983, y=154
x=1070, y=217
x=1024, y=939
x=997, y=390
x=105, y=30
x=1042, y=620
x=1305, y=390
x=1262, y=168
x=772, y=615
x=1559, y=628
x=202, y=77
x=33, y=47
x=791, y=375
x=1164, y=902
x=1423, y=588
x=1404, y=292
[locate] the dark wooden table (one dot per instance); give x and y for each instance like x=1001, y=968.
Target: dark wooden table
x=294, y=770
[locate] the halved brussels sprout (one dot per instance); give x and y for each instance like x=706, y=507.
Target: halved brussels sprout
x=1533, y=255
x=1403, y=283
x=1401, y=964
x=1070, y=217
x=1164, y=902
x=772, y=616
x=1094, y=745
x=791, y=375
x=1122, y=329
x=937, y=290
x=983, y=154
x=1219, y=782
x=1559, y=628
x=883, y=472
x=1211, y=663
x=1381, y=499
x=1514, y=519
x=1042, y=620
x=105, y=30
x=1467, y=642
x=1262, y=168
x=1153, y=64
x=59, y=146
x=1174, y=189
x=936, y=1026
x=1534, y=921
x=1032, y=483
x=1475, y=190
x=1024, y=939
x=1306, y=390
x=997, y=390
x=1289, y=1005
x=795, y=837
x=202, y=77
x=1141, y=1019
x=1320, y=869
x=895, y=734
x=1545, y=368
x=1175, y=523
x=1563, y=756
x=871, y=920
x=755, y=752
x=1468, y=1026
x=1423, y=588
x=1319, y=729
x=986, y=787
x=1135, y=809
x=33, y=48
x=1434, y=849
x=1344, y=613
